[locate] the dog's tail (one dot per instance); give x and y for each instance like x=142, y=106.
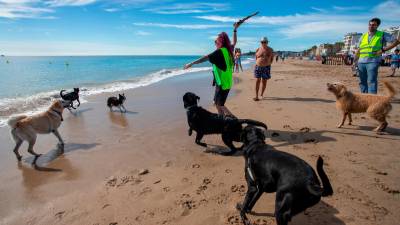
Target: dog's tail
x=390, y=88
x=13, y=121
x=61, y=93
x=253, y=122
x=327, y=187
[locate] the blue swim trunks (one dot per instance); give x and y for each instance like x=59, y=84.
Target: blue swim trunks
x=263, y=72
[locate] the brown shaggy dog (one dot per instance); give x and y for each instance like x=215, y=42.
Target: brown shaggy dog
x=376, y=106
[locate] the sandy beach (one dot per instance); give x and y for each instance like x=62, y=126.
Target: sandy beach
x=142, y=168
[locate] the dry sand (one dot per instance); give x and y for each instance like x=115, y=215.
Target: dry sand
x=105, y=182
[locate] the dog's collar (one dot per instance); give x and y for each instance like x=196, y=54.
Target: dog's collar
x=57, y=113
x=252, y=146
x=190, y=107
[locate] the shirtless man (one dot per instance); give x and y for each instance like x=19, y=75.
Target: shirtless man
x=264, y=58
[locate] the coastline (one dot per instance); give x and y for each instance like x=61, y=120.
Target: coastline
x=100, y=182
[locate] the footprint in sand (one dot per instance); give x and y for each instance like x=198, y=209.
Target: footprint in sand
x=305, y=129
x=234, y=220
x=145, y=190
x=238, y=188
x=195, y=166
x=59, y=215
x=381, y=185
x=166, y=189
x=228, y=171
x=287, y=127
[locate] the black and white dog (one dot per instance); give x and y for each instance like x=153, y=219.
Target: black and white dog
x=205, y=122
x=71, y=97
x=295, y=182
x=117, y=102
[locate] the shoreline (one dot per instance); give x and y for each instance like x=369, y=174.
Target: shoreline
x=188, y=185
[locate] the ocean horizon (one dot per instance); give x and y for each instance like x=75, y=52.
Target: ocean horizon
x=30, y=83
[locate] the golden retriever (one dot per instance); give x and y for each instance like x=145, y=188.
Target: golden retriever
x=26, y=128
x=376, y=106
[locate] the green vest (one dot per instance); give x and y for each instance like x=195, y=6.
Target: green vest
x=224, y=78
x=369, y=49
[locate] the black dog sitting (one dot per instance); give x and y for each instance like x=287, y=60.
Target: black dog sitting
x=205, y=122
x=296, y=185
x=71, y=97
x=117, y=102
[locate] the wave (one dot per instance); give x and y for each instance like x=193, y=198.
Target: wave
x=29, y=105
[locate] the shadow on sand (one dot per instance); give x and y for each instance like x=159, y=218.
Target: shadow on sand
x=299, y=99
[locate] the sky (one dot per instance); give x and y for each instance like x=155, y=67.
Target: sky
x=179, y=27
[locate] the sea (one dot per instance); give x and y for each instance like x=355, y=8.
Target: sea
x=29, y=84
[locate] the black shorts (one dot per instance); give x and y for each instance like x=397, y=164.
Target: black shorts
x=220, y=96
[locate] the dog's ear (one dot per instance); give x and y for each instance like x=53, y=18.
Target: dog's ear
x=260, y=134
x=342, y=91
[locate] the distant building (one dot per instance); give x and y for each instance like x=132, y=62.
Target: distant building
x=350, y=41
x=324, y=50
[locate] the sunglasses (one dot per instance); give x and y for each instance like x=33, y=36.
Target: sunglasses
x=264, y=42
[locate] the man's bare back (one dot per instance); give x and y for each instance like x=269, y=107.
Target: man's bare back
x=264, y=56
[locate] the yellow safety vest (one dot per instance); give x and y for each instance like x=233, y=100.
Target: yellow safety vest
x=224, y=78
x=369, y=49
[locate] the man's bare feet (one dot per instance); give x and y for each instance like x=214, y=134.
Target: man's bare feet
x=256, y=99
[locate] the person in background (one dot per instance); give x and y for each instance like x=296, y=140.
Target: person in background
x=369, y=55
x=262, y=70
x=394, y=62
x=238, y=60
x=222, y=62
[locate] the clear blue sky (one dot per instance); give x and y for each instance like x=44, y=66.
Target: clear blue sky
x=140, y=27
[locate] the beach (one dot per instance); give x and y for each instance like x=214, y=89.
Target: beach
x=142, y=167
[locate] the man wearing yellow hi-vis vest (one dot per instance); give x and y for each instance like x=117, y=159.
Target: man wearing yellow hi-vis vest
x=369, y=54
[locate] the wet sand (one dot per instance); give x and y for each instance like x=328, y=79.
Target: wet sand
x=99, y=181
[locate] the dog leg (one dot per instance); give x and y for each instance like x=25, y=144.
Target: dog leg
x=350, y=119
x=283, y=205
x=30, y=150
x=199, y=136
x=79, y=102
x=119, y=107
x=381, y=127
x=343, y=120
x=190, y=131
x=254, y=200
x=228, y=142
x=61, y=142
x=123, y=108
x=17, y=145
x=244, y=207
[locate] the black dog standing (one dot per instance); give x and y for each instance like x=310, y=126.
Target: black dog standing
x=205, y=122
x=117, y=102
x=296, y=185
x=71, y=97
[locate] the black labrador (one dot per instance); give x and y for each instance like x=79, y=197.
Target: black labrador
x=117, y=102
x=205, y=122
x=295, y=182
x=71, y=97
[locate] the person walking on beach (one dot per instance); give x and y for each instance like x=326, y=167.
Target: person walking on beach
x=394, y=62
x=369, y=54
x=262, y=71
x=238, y=60
x=222, y=62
